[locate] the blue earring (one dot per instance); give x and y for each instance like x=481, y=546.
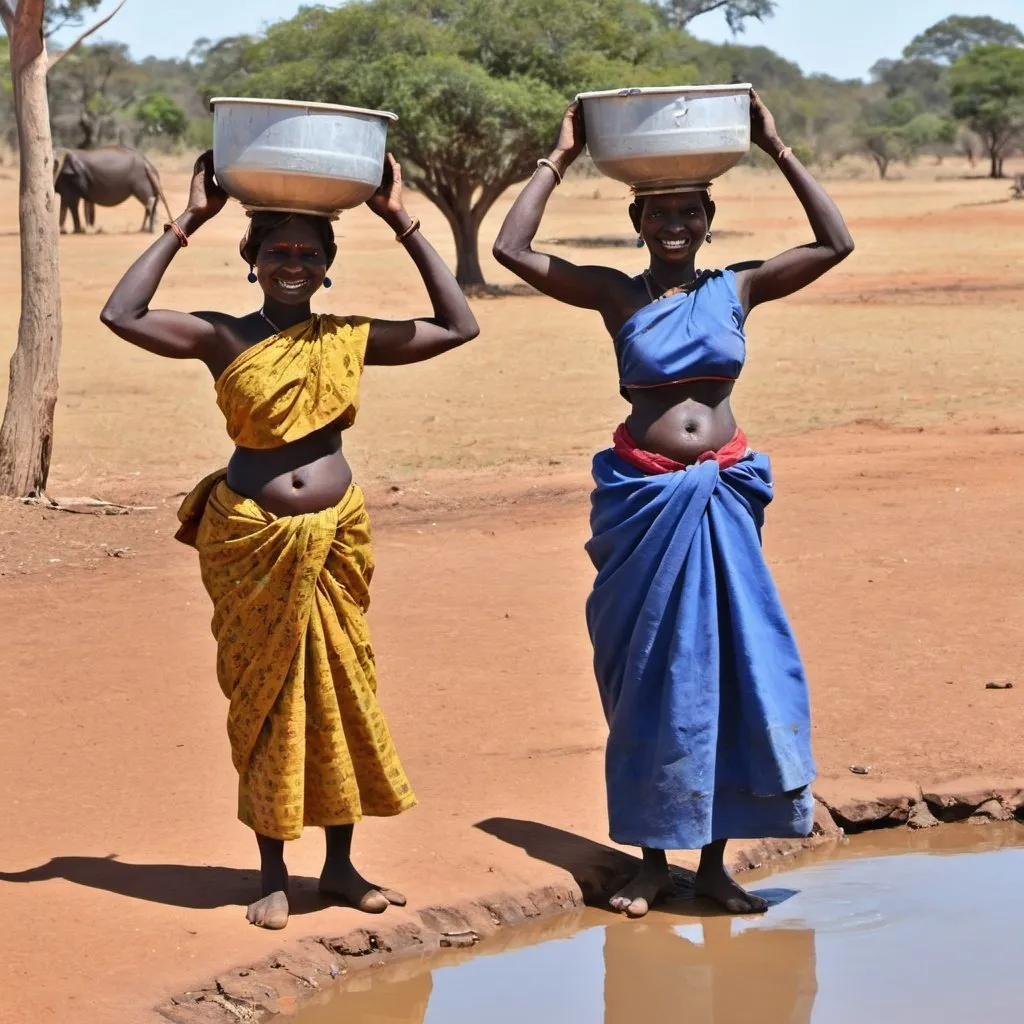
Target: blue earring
x=328, y=282
x=639, y=241
x=252, y=276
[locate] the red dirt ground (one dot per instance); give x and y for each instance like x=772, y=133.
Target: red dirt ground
x=889, y=398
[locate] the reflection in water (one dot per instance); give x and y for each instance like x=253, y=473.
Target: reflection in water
x=402, y=1001
x=876, y=925
x=653, y=969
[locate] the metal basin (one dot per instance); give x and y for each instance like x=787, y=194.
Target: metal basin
x=660, y=137
x=302, y=157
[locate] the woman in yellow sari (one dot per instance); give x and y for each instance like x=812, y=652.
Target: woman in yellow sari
x=282, y=533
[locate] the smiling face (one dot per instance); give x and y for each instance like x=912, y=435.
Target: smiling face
x=674, y=226
x=291, y=263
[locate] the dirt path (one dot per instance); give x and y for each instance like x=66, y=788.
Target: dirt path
x=897, y=553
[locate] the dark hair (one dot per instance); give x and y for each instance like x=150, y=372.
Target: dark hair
x=263, y=222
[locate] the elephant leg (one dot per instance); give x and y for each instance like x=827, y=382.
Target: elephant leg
x=79, y=230
x=63, y=214
x=149, y=217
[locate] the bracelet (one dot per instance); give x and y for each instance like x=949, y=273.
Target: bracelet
x=409, y=231
x=783, y=153
x=182, y=237
x=545, y=162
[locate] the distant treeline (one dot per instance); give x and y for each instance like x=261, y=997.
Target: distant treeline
x=959, y=86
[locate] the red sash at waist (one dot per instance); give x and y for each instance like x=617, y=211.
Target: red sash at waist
x=651, y=462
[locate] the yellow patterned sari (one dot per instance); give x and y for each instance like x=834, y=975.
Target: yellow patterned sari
x=290, y=594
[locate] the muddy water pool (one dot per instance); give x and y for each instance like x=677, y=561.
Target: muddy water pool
x=893, y=927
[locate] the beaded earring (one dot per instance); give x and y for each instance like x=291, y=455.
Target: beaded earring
x=328, y=282
x=639, y=241
x=707, y=237
x=252, y=279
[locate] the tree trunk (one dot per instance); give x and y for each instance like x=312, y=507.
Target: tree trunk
x=997, y=164
x=465, y=226
x=26, y=437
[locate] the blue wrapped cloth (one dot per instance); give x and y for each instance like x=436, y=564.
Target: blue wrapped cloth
x=699, y=672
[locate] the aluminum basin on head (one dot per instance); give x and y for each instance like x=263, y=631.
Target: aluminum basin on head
x=308, y=157
x=678, y=135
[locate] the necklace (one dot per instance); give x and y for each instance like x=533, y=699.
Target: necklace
x=269, y=321
x=649, y=277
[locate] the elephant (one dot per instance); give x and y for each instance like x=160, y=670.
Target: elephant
x=105, y=177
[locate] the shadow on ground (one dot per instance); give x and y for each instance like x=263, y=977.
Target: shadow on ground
x=193, y=886
x=601, y=870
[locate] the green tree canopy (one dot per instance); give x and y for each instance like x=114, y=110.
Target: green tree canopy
x=987, y=90
x=893, y=130
x=91, y=92
x=954, y=37
x=160, y=117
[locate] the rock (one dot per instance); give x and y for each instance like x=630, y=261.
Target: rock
x=961, y=798
x=1003, y=685
x=868, y=803
x=459, y=940
x=824, y=823
x=990, y=810
x=860, y=769
x=921, y=817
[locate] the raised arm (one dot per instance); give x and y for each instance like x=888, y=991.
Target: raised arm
x=795, y=269
x=127, y=312
x=590, y=287
x=393, y=342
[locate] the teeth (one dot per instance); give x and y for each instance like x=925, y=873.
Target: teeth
x=292, y=286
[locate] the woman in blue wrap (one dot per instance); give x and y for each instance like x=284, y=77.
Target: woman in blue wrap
x=699, y=673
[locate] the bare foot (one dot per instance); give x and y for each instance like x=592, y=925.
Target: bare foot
x=270, y=911
x=639, y=895
x=345, y=884
x=716, y=884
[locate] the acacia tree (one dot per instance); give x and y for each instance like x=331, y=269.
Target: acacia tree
x=26, y=436
x=952, y=38
x=987, y=88
x=737, y=12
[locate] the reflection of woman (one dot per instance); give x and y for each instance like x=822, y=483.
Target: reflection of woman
x=698, y=670
x=651, y=972
x=282, y=533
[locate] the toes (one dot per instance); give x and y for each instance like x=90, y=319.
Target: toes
x=637, y=908
x=374, y=902
x=620, y=902
x=396, y=899
x=271, y=912
x=748, y=903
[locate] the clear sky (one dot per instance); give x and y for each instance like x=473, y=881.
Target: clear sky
x=840, y=37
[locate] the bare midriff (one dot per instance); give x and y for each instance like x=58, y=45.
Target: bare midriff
x=682, y=421
x=307, y=475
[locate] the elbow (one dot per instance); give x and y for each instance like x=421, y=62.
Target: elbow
x=507, y=253
x=111, y=317
x=467, y=331
x=501, y=254
x=844, y=247
x=118, y=320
